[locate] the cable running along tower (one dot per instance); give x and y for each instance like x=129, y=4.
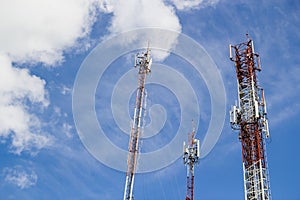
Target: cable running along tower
x=250, y=118
x=191, y=155
x=143, y=63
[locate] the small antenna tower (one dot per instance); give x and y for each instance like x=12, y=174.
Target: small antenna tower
x=191, y=155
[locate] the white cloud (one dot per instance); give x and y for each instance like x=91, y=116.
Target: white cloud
x=192, y=4
x=35, y=31
x=40, y=31
x=132, y=14
x=17, y=83
x=18, y=89
x=23, y=178
x=150, y=14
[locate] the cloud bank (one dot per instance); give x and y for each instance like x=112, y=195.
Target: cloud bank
x=18, y=90
x=34, y=32
x=40, y=31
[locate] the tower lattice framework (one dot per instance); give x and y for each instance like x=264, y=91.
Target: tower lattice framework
x=191, y=155
x=143, y=62
x=250, y=118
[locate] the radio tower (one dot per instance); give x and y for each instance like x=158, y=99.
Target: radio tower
x=191, y=155
x=250, y=118
x=143, y=63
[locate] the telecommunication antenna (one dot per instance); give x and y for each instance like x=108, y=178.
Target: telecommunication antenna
x=143, y=62
x=249, y=117
x=191, y=155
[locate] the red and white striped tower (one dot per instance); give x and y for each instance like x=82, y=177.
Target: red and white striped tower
x=191, y=155
x=143, y=62
x=250, y=118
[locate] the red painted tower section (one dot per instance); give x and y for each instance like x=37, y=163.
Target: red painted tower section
x=249, y=117
x=143, y=63
x=191, y=155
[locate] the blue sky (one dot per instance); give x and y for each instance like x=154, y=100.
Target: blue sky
x=44, y=43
